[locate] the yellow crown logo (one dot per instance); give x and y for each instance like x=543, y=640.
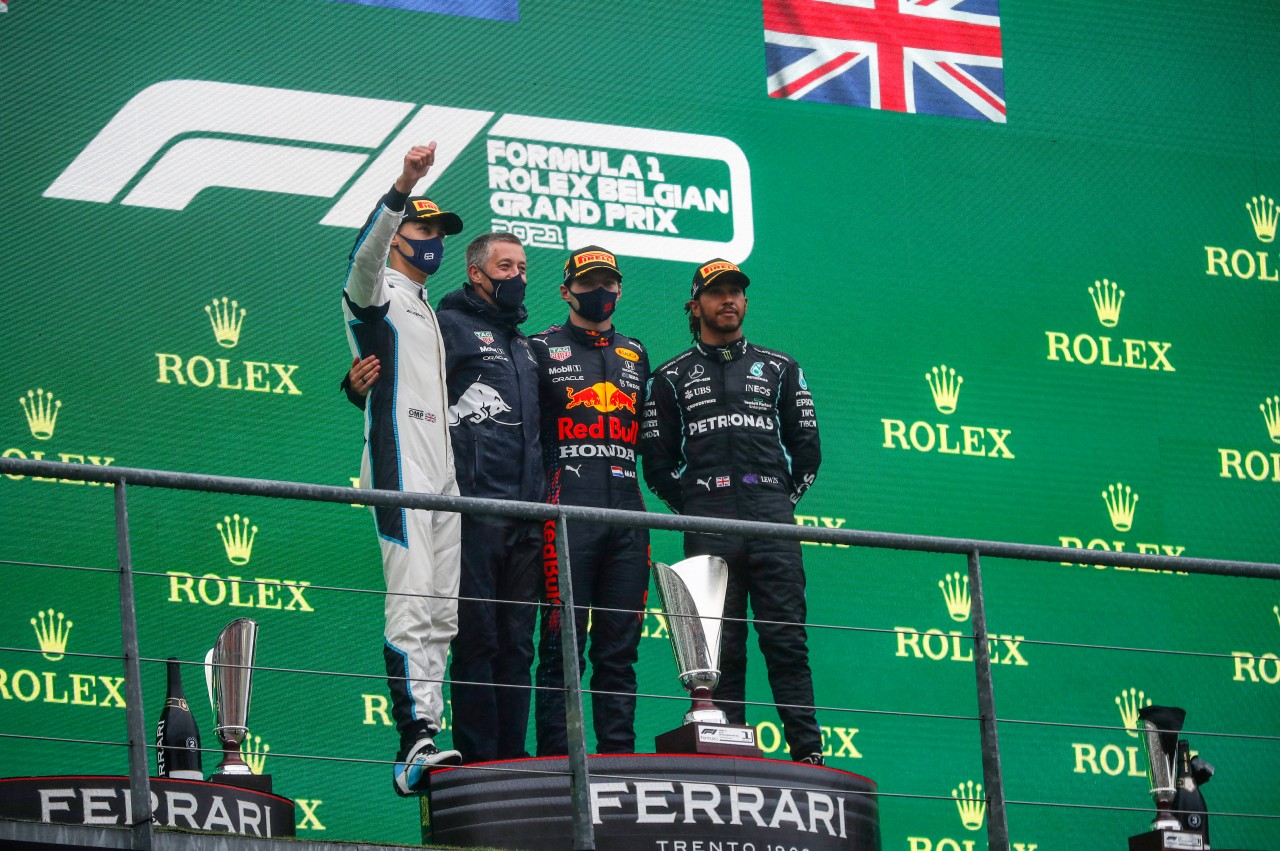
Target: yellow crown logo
x=1121, y=503
x=42, y=413
x=1107, y=297
x=237, y=538
x=955, y=590
x=254, y=753
x=1271, y=413
x=1129, y=702
x=945, y=385
x=971, y=804
x=1263, y=214
x=226, y=321
x=51, y=632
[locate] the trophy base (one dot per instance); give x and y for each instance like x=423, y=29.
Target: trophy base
x=256, y=782
x=700, y=737
x=1159, y=840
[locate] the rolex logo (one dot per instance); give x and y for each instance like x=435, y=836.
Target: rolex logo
x=1262, y=212
x=52, y=630
x=226, y=320
x=945, y=385
x=254, y=753
x=1121, y=503
x=42, y=413
x=970, y=803
x=1107, y=297
x=1271, y=413
x=955, y=591
x=237, y=538
x=1129, y=702
x=946, y=438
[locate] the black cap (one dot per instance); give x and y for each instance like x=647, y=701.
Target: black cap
x=421, y=209
x=717, y=271
x=588, y=258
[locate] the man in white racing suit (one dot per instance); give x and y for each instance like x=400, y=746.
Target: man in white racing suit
x=407, y=448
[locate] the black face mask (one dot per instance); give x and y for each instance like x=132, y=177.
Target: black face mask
x=427, y=253
x=596, y=305
x=508, y=293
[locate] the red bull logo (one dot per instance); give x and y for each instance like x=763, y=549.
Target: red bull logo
x=603, y=397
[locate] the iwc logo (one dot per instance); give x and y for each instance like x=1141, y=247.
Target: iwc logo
x=1104, y=350
x=53, y=632
x=1121, y=502
x=226, y=317
x=956, y=645
x=1258, y=465
x=238, y=535
x=41, y=411
x=971, y=805
x=1115, y=759
x=946, y=438
x=1248, y=263
x=1251, y=667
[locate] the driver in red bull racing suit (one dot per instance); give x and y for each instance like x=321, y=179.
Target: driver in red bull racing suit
x=592, y=388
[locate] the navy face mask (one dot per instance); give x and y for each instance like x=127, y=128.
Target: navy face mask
x=427, y=253
x=596, y=305
x=508, y=292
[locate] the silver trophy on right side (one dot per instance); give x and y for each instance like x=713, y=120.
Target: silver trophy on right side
x=692, y=593
x=1182, y=820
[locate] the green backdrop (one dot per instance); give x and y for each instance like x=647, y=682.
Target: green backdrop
x=159, y=157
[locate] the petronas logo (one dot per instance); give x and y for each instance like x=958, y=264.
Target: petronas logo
x=971, y=804
x=52, y=630
x=1107, y=298
x=226, y=320
x=1121, y=502
x=41, y=410
x=237, y=538
x=1129, y=703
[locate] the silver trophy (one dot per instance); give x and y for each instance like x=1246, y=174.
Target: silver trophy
x=692, y=593
x=1160, y=728
x=228, y=670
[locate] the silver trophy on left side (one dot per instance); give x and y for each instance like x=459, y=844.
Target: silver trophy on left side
x=228, y=670
x=693, y=593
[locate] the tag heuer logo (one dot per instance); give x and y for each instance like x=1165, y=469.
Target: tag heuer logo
x=559, y=352
x=485, y=337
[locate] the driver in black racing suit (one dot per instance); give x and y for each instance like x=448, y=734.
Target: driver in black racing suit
x=729, y=430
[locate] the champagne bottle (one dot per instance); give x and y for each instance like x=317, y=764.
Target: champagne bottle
x=177, y=737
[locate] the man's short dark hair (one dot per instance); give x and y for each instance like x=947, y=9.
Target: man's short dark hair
x=481, y=248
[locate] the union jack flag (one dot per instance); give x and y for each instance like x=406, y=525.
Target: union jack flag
x=940, y=57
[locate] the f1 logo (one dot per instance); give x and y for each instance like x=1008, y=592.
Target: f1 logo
x=189, y=120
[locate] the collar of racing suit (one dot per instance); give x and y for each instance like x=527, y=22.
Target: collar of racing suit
x=402, y=280
x=724, y=354
x=589, y=338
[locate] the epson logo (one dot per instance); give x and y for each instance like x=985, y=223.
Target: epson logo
x=140, y=140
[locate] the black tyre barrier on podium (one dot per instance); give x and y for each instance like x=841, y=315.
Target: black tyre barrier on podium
x=657, y=802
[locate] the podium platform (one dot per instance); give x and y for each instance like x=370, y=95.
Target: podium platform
x=655, y=802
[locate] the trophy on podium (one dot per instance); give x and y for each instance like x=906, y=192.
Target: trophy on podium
x=229, y=676
x=1181, y=820
x=692, y=593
